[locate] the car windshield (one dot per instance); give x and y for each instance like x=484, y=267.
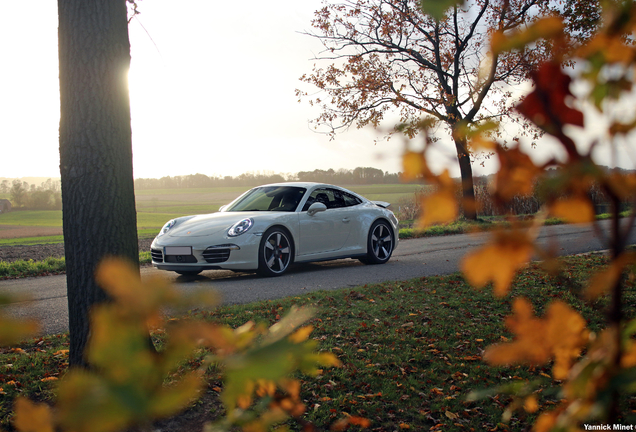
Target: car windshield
x=269, y=198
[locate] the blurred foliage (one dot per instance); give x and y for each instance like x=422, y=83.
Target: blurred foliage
x=595, y=369
x=129, y=384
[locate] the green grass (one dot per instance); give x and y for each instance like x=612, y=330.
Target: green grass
x=411, y=350
x=155, y=220
x=28, y=241
x=47, y=267
x=192, y=191
x=181, y=209
x=47, y=218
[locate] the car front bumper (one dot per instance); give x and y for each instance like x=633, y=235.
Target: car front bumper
x=205, y=253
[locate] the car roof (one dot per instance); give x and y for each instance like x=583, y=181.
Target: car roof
x=311, y=185
x=299, y=184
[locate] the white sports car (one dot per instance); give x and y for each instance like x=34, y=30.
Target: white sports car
x=270, y=227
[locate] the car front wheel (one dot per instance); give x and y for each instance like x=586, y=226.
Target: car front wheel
x=379, y=244
x=275, y=252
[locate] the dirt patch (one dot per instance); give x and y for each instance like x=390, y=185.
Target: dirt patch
x=17, y=231
x=42, y=252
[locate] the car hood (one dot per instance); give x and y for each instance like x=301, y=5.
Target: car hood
x=209, y=224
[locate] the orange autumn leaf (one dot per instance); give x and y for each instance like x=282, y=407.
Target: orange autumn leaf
x=576, y=209
x=360, y=421
x=439, y=207
x=623, y=185
x=545, y=422
x=628, y=360
x=544, y=28
x=343, y=423
x=530, y=404
x=546, y=105
x=611, y=47
x=498, y=261
x=32, y=417
x=560, y=335
x=603, y=281
x=516, y=175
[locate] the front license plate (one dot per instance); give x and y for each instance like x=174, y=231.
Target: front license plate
x=178, y=250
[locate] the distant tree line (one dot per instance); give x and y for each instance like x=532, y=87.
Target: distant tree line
x=46, y=196
x=360, y=175
x=544, y=191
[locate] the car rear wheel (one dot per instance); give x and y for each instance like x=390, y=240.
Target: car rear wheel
x=275, y=252
x=379, y=244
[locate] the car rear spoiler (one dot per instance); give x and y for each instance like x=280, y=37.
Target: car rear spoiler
x=382, y=204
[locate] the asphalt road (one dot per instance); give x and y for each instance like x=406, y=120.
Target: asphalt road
x=413, y=258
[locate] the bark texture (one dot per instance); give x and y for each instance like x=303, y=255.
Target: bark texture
x=95, y=151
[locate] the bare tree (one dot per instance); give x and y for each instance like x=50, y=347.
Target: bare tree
x=95, y=151
x=388, y=56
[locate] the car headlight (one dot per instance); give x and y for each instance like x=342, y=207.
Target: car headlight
x=167, y=227
x=240, y=227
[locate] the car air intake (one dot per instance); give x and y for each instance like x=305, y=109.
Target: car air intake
x=157, y=255
x=219, y=253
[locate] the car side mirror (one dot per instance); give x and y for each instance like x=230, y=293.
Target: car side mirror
x=222, y=208
x=315, y=208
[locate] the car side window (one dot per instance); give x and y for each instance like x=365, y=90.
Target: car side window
x=350, y=200
x=331, y=198
x=324, y=196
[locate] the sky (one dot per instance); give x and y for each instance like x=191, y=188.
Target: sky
x=212, y=88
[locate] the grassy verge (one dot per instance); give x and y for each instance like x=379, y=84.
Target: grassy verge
x=142, y=233
x=482, y=224
x=50, y=266
x=411, y=350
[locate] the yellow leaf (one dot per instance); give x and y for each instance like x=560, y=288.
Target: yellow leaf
x=566, y=334
x=16, y=330
x=575, y=209
x=170, y=400
x=31, y=417
x=328, y=360
x=301, y=335
x=451, y=415
x=414, y=165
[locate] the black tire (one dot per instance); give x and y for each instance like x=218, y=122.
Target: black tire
x=379, y=243
x=276, y=252
x=189, y=273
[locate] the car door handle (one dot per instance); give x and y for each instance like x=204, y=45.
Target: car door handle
x=345, y=220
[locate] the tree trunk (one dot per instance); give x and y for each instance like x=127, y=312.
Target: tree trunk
x=466, y=170
x=95, y=152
